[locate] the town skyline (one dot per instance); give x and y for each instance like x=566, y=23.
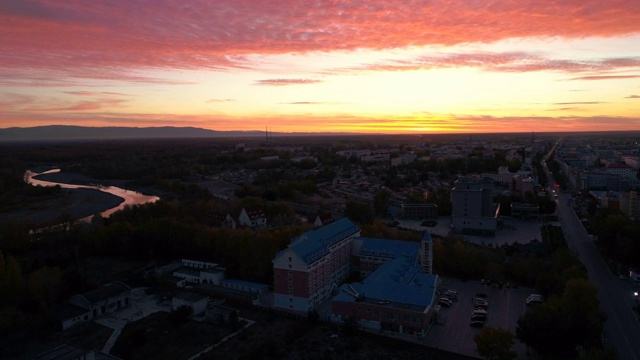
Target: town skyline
x=304, y=67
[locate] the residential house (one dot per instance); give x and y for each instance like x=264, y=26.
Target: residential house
x=220, y=314
x=196, y=302
x=322, y=219
x=253, y=217
x=225, y=219
x=103, y=300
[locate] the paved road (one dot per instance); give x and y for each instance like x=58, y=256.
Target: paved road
x=622, y=328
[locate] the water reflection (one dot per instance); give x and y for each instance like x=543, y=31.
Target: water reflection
x=129, y=197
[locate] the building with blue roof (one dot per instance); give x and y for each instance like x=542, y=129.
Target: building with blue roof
x=369, y=253
x=312, y=265
x=397, y=297
x=244, y=286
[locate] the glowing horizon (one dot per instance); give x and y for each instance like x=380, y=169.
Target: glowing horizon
x=305, y=66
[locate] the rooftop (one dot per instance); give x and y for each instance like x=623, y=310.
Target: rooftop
x=191, y=297
x=244, y=283
x=106, y=292
x=63, y=352
x=388, y=248
x=397, y=282
x=314, y=244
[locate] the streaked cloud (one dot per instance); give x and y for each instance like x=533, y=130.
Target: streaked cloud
x=94, y=93
x=284, y=82
x=314, y=103
x=500, y=62
x=632, y=97
x=85, y=106
x=211, y=101
x=580, y=103
x=606, y=77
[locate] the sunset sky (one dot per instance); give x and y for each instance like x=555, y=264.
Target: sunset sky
x=374, y=66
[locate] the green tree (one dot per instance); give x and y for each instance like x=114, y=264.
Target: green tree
x=359, y=212
x=495, y=344
x=381, y=201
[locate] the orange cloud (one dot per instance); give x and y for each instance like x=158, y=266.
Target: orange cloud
x=85, y=106
x=99, y=39
x=421, y=123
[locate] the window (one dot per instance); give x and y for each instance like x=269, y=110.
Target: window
x=289, y=258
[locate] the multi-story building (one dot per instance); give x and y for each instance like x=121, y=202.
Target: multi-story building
x=620, y=169
x=426, y=253
x=397, y=297
x=630, y=204
x=369, y=253
x=312, y=265
x=523, y=184
x=473, y=211
x=418, y=211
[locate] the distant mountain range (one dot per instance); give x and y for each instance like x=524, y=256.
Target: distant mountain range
x=63, y=132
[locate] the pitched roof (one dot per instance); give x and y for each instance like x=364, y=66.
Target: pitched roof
x=106, y=292
x=389, y=248
x=399, y=281
x=254, y=211
x=314, y=244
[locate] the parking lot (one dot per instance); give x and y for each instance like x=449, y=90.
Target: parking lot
x=453, y=331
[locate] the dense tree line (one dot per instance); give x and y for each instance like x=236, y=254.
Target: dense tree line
x=617, y=238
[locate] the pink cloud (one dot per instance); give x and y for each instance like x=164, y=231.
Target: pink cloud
x=85, y=106
x=283, y=82
x=84, y=39
x=606, y=77
x=94, y=93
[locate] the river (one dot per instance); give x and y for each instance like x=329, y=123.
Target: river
x=129, y=197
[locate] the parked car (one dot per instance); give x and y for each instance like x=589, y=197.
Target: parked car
x=477, y=323
x=451, y=296
x=534, y=299
x=478, y=317
x=480, y=302
x=445, y=302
